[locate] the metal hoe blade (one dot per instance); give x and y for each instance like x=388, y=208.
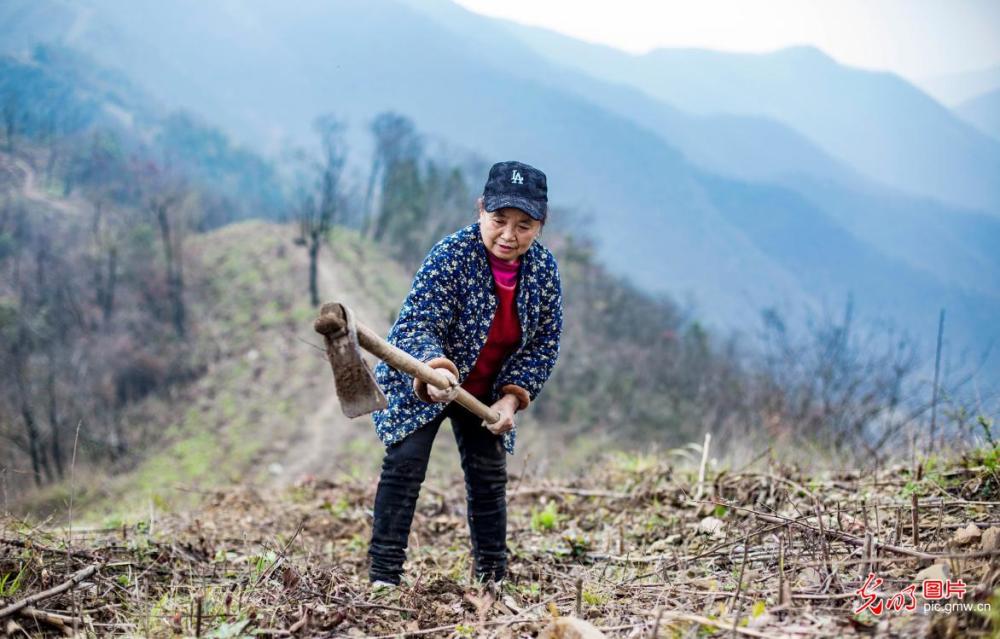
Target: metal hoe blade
x=357, y=390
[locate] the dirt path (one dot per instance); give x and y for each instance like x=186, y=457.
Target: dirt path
x=31, y=191
x=320, y=441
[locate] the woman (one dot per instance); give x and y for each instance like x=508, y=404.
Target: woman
x=485, y=309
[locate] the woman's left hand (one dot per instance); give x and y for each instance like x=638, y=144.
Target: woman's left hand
x=506, y=406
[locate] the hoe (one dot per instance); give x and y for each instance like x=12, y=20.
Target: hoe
x=356, y=387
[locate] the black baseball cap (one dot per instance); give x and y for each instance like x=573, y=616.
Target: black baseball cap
x=519, y=185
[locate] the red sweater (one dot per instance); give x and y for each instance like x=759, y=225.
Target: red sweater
x=505, y=331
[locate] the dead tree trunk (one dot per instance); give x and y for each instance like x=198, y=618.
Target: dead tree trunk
x=367, y=223
x=314, y=241
x=105, y=263
x=107, y=301
x=175, y=273
x=55, y=427
x=10, y=113
x=35, y=449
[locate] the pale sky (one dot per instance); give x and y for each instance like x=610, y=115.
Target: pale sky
x=915, y=38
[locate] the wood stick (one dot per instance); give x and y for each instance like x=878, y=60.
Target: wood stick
x=704, y=463
x=941, y=521
x=12, y=627
x=197, y=627
x=561, y=490
x=739, y=588
x=898, y=533
x=869, y=564
x=58, y=621
x=845, y=537
x=579, y=596
x=31, y=611
x=743, y=567
x=77, y=577
x=781, y=571
x=823, y=541
x=656, y=624
x=83, y=554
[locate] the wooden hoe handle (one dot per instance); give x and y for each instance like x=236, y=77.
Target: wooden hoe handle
x=331, y=321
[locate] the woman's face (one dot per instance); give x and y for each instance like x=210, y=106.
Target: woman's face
x=508, y=232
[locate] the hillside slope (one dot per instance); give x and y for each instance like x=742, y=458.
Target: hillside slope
x=264, y=412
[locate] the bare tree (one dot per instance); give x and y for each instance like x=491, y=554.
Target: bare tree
x=165, y=196
x=49, y=296
x=103, y=178
x=11, y=118
x=396, y=140
x=19, y=323
x=105, y=237
x=839, y=384
x=320, y=198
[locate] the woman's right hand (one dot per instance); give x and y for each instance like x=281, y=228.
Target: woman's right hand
x=444, y=396
x=506, y=406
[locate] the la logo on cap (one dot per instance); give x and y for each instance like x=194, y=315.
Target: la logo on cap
x=516, y=178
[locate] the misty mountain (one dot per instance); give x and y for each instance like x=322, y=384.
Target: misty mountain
x=652, y=183
x=921, y=232
x=983, y=112
x=875, y=122
x=67, y=93
x=833, y=263
x=955, y=247
x=954, y=88
x=745, y=147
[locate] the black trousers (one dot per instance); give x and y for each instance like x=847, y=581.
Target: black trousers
x=404, y=467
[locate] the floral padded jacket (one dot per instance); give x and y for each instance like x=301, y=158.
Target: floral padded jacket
x=448, y=313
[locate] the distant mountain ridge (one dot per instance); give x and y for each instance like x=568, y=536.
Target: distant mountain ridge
x=874, y=121
x=762, y=149
x=983, y=112
x=954, y=88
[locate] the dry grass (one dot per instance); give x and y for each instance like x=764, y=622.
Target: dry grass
x=627, y=547
x=622, y=543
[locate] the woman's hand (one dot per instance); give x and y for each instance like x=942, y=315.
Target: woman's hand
x=506, y=406
x=444, y=396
